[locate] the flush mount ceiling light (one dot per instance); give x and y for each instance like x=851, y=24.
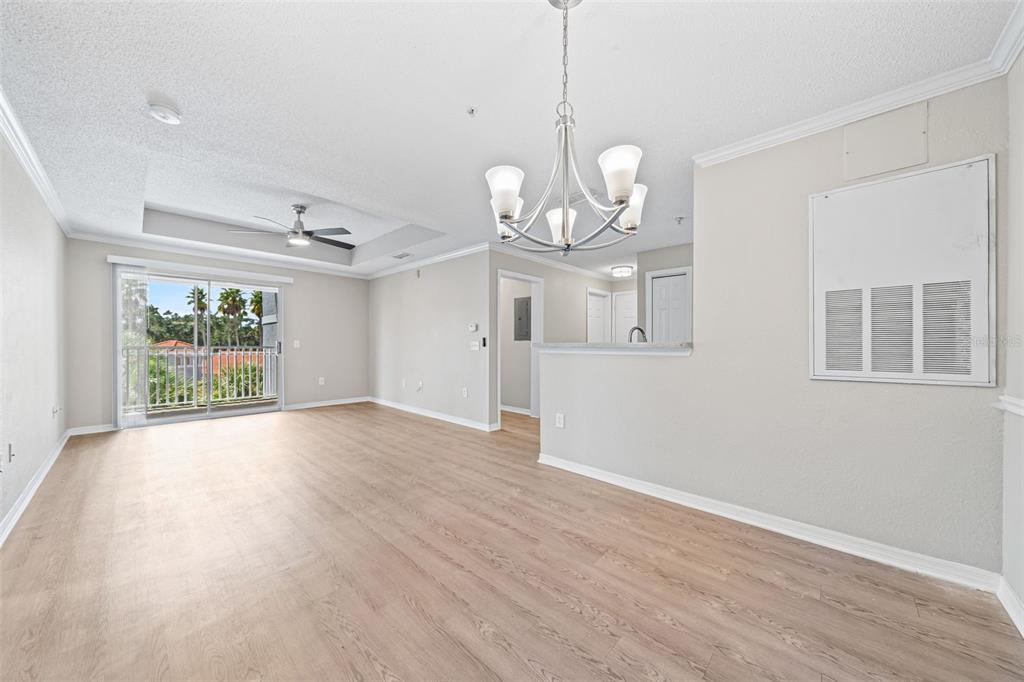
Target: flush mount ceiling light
x=164, y=114
x=618, y=165
x=622, y=271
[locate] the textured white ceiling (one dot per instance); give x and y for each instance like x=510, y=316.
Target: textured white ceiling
x=358, y=109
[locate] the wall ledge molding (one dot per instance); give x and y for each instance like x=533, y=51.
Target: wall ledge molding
x=999, y=62
x=557, y=265
x=423, y=412
x=962, y=574
x=327, y=403
x=10, y=520
x=1010, y=405
x=1012, y=602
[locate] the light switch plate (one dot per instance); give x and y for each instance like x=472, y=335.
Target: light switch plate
x=320, y=380
x=296, y=343
x=559, y=420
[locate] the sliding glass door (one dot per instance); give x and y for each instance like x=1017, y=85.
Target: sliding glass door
x=187, y=348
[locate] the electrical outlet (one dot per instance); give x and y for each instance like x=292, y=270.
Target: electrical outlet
x=465, y=392
x=296, y=344
x=320, y=380
x=559, y=420
x=403, y=382
x=419, y=387
x=474, y=345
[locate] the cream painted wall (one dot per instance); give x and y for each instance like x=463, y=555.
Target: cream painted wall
x=419, y=332
x=515, y=355
x=565, y=306
x=32, y=352
x=657, y=259
x=1013, y=424
x=915, y=467
x=328, y=314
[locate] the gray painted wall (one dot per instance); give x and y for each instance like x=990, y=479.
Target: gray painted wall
x=328, y=314
x=916, y=467
x=1013, y=424
x=32, y=357
x=419, y=332
x=515, y=355
x=657, y=259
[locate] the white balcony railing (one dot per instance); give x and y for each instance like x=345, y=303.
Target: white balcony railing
x=157, y=378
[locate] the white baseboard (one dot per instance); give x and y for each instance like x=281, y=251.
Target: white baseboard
x=516, y=410
x=1012, y=602
x=86, y=430
x=461, y=421
x=328, y=403
x=969, y=576
x=21, y=504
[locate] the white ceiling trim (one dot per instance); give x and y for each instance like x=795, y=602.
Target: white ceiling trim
x=170, y=267
x=440, y=258
x=26, y=155
x=558, y=265
x=157, y=244
x=999, y=62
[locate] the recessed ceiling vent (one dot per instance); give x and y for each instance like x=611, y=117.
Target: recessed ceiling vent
x=400, y=256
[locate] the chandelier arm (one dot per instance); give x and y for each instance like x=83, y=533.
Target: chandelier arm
x=546, y=194
x=534, y=249
x=592, y=247
x=607, y=223
x=529, y=237
x=601, y=209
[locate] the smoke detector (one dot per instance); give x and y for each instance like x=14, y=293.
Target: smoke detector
x=164, y=114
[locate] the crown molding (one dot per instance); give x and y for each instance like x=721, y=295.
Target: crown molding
x=16, y=138
x=1002, y=58
x=204, y=252
x=556, y=264
x=430, y=260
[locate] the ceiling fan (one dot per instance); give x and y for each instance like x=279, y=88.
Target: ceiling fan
x=297, y=234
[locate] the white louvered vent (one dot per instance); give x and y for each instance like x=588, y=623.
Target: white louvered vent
x=844, y=331
x=902, y=278
x=892, y=329
x=947, y=327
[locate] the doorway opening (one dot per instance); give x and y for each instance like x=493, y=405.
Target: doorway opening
x=189, y=348
x=520, y=327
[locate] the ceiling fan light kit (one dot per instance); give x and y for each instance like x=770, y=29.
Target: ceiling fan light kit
x=297, y=234
x=618, y=166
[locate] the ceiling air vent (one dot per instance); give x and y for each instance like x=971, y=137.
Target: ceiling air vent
x=947, y=327
x=403, y=254
x=844, y=330
x=892, y=329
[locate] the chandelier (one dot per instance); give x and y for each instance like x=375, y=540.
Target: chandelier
x=618, y=166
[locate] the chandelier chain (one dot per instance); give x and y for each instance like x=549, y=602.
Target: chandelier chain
x=565, y=53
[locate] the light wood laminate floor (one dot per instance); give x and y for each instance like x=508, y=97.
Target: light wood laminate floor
x=359, y=542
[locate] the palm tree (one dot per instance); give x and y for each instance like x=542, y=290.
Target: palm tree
x=231, y=304
x=256, y=308
x=196, y=299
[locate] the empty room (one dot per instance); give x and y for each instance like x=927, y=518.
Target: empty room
x=512, y=340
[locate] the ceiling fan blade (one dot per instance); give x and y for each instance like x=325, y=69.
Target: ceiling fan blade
x=257, y=233
x=343, y=245
x=332, y=230
x=271, y=220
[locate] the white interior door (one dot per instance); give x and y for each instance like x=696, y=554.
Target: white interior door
x=670, y=309
x=625, y=315
x=599, y=316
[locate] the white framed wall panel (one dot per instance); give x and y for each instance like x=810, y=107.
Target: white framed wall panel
x=902, y=277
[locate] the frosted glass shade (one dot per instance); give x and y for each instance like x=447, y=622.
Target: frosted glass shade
x=618, y=165
x=554, y=217
x=505, y=182
x=504, y=232
x=630, y=218
x=621, y=271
